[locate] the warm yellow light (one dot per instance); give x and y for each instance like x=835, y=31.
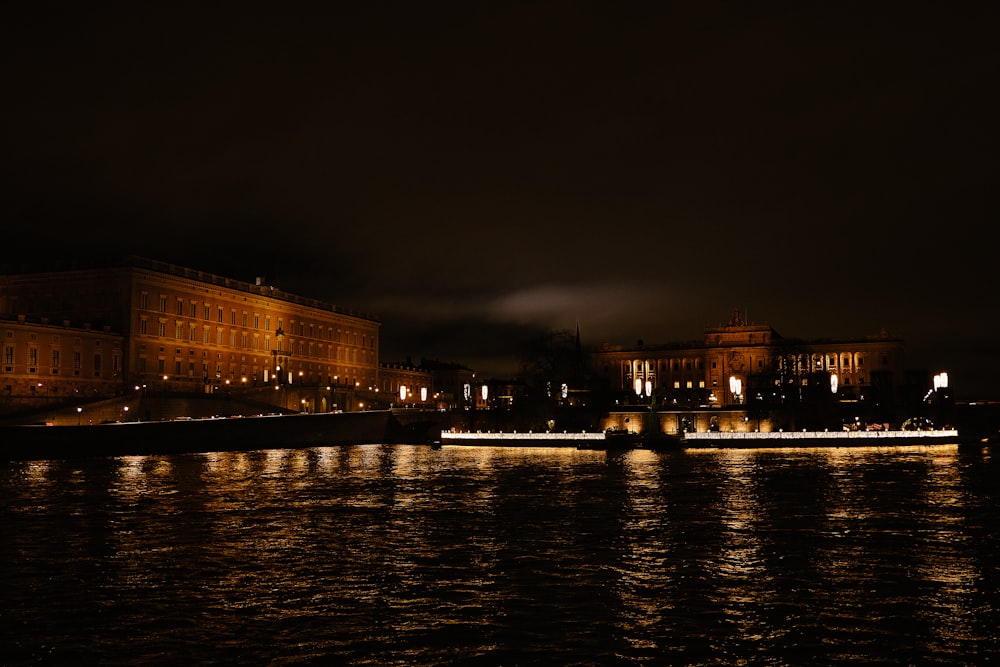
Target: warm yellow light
x=402, y=392
x=638, y=386
x=833, y=382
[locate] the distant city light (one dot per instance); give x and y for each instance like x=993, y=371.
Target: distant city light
x=833, y=382
x=941, y=381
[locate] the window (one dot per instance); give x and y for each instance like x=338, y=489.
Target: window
x=208, y=312
x=267, y=323
x=232, y=317
x=143, y=326
x=244, y=322
x=161, y=329
x=97, y=365
x=256, y=321
x=144, y=300
x=8, y=355
x=163, y=303
x=180, y=307
x=194, y=309
x=55, y=361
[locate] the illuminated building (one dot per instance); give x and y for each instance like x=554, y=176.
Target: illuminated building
x=48, y=363
x=406, y=385
x=741, y=363
x=184, y=330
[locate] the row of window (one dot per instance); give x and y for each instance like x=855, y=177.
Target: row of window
x=56, y=359
x=641, y=367
x=246, y=374
x=245, y=341
x=295, y=328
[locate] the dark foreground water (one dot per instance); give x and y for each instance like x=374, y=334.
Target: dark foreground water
x=404, y=555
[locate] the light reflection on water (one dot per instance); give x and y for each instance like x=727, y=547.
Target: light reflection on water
x=385, y=554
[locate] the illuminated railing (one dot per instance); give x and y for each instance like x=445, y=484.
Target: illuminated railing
x=822, y=435
x=504, y=435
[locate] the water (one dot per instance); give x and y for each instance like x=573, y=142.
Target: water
x=406, y=555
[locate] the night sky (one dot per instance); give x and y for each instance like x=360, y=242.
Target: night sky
x=472, y=173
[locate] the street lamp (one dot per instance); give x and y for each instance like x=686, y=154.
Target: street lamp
x=78, y=414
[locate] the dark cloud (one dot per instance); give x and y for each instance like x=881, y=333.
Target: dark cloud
x=472, y=173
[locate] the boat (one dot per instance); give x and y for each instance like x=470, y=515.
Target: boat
x=187, y=435
x=882, y=438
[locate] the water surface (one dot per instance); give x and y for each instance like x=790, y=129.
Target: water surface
x=407, y=555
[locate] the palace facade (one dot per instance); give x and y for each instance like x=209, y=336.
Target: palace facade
x=742, y=362
x=177, y=329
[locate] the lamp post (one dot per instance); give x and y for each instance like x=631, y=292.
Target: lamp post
x=79, y=412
